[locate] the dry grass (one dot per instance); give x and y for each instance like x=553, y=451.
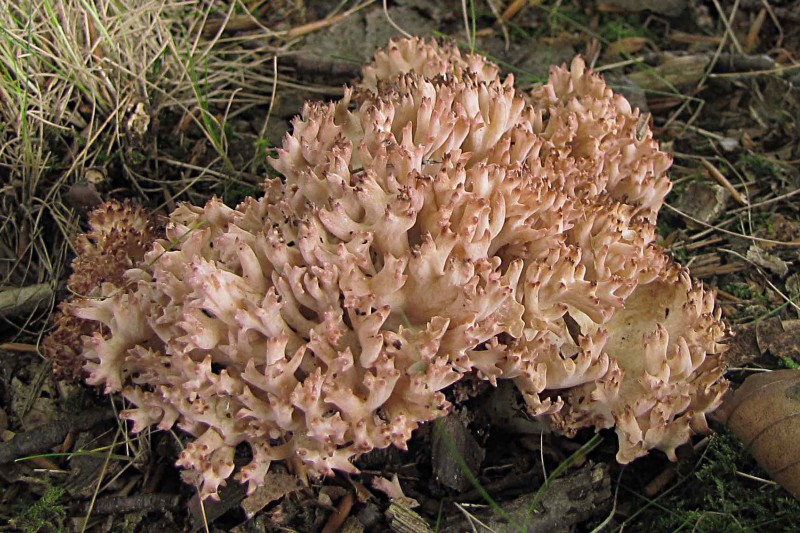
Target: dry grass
x=83, y=83
x=70, y=72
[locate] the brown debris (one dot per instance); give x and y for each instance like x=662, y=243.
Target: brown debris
x=773, y=336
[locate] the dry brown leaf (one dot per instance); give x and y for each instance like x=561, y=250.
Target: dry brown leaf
x=765, y=414
x=626, y=45
x=779, y=338
x=764, y=259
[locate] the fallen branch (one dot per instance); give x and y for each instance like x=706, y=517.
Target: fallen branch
x=46, y=436
x=147, y=503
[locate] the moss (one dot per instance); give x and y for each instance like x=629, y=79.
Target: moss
x=788, y=362
x=759, y=165
x=46, y=514
x=741, y=290
x=615, y=29
x=680, y=254
x=763, y=221
x=716, y=499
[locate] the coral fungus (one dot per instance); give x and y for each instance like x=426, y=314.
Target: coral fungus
x=433, y=222
x=120, y=235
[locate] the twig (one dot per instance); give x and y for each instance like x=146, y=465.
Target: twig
x=19, y=347
x=51, y=434
x=717, y=270
x=394, y=25
x=467, y=28
x=502, y=22
x=702, y=244
x=775, y=21
x=111, y=505
x=661, y=481
x=756, y=478
x=515, y=7
x=728, y=232
x=722, y=180
x=472, y=519
x=619, y=64
x=727, y=22
x=766, y=202
x=755, y=73
x=299, y=31
x=103, y=471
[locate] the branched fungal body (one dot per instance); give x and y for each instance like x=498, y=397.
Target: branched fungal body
x=434, y=222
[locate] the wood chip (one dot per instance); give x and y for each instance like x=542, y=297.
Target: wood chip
x=403, y=519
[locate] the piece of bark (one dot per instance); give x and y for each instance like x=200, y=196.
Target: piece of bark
x=743, y=63
x=682, y=71
x=276, y=486
x=453, y=441
x=673, y=73
x=206, y=511
x=403, y=519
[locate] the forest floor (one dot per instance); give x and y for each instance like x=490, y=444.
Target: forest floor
x=162, y=103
